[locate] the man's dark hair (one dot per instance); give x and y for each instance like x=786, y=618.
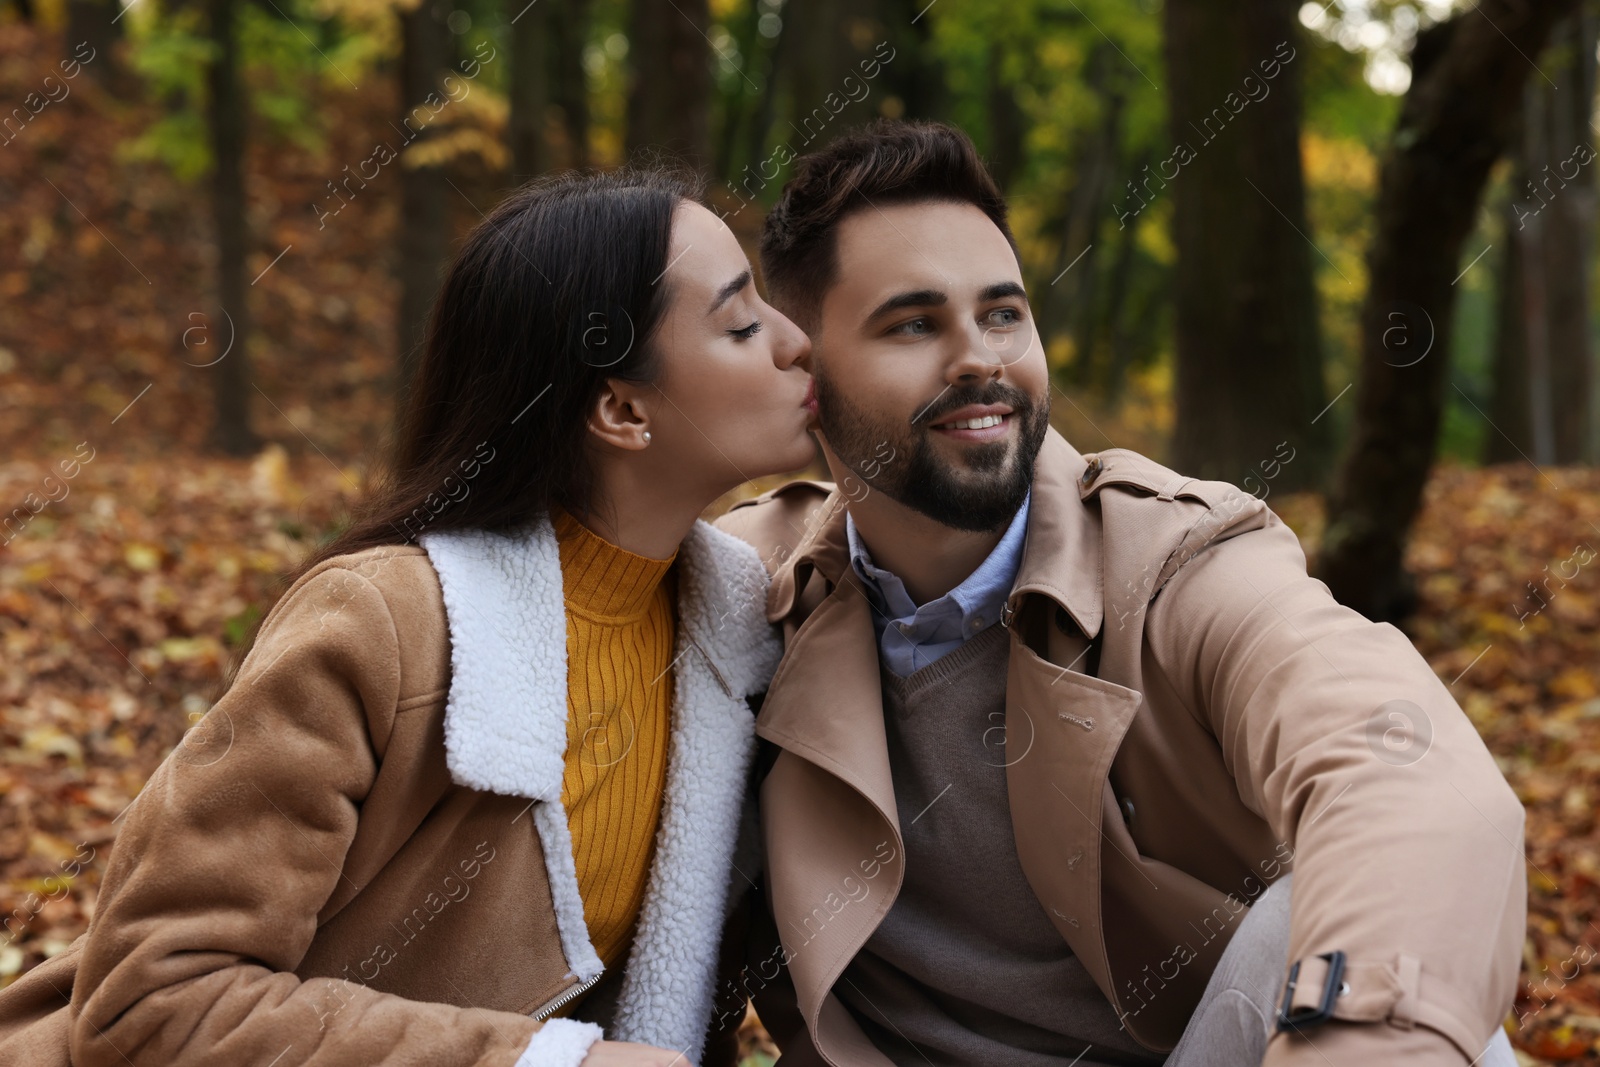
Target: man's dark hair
x=887, y=162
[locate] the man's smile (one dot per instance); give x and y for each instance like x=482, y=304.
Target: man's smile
x=976, y=422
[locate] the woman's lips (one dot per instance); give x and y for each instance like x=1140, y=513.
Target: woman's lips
x=810, y=401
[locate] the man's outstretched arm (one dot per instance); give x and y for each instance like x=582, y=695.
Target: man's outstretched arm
x=1407, y=840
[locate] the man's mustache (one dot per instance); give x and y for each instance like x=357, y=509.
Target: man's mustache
x=945, y=403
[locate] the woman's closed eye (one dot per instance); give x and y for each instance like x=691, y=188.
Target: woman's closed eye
x=744, y=333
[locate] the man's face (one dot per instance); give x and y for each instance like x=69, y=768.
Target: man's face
x=926, y=328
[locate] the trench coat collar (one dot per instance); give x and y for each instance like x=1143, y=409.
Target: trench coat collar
x=1061, y=555
x=825, y=704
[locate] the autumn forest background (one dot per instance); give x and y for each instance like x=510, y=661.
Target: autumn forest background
x=1340, y=254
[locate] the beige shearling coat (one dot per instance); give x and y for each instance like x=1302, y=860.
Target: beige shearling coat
x=359, y=855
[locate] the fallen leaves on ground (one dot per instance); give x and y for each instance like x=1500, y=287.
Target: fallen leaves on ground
x=131, y=582
x=1508, y=567
x=121, y=604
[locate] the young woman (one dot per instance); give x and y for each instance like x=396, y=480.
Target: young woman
x=486, y=761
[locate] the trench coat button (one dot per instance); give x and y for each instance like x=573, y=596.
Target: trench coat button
x=1092, y=471
x=1127, y=811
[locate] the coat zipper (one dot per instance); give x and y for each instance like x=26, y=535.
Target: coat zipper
x=562, y=998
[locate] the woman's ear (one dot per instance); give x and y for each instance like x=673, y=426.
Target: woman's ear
x=619, y=417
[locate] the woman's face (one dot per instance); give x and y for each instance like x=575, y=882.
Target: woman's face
x=731, y=396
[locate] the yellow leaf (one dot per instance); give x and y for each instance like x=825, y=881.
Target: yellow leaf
x=48, y=741
x=269, y=474
x=1574, y=683
x=142, y=557
x=185, y=649
x=50, y=846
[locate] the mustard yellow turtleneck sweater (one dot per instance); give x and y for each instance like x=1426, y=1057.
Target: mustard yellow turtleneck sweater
x=620, y=629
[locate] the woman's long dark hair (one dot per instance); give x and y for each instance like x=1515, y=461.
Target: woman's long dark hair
x=559, y=288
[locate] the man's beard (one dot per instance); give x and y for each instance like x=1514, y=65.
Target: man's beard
x=900, y=461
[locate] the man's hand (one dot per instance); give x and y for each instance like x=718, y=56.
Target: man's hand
x=631, y=1054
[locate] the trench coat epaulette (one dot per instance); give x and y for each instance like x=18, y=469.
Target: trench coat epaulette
x=1124, y=467
x=778, y=519
x=810, y=486
x=1215, y=511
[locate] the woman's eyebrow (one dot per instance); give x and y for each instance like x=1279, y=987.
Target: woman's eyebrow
x=728, y=290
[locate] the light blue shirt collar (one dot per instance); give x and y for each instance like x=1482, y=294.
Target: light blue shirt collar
x=911, y=637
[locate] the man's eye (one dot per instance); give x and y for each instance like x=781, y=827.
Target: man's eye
x=1008, y=316
x=915, y=327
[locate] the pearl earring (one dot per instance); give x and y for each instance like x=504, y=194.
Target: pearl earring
x=647, y=437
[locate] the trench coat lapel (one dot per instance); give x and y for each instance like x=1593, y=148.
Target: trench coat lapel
x=1063, y=729
x=1061, y=555
x=828, y=806
x=829, y=800
x=1068, y=828
x=826, y=704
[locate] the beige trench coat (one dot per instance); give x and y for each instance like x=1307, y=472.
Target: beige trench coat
x=1241, y=723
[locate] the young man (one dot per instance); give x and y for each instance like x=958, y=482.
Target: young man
x=1048, y=723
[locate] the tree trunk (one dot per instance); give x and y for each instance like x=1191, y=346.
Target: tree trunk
x=225, y=117
x=1007, y=132
x=916, y=75
x=670, y=95
x=425, y=53
x=1510, y=433
x=528, y=91
x=820, y=54
x=94, y=22
x=569, y=22
x=1555, y=221
x=1467, y=79
x=1072, y=286
x=1249, y=365
x=735, y=104
x=759, y=133
x=1121, y=355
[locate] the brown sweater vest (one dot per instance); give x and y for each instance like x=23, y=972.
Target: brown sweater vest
x=966, y=968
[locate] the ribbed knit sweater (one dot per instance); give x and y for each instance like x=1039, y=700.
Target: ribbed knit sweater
x=620, y=628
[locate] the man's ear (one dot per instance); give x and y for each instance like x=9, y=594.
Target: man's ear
x=619, y=417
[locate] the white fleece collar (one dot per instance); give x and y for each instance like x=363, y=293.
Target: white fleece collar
x=506, y=732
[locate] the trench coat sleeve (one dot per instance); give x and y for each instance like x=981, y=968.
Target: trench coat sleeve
x=212, y=893
x=1407, y=841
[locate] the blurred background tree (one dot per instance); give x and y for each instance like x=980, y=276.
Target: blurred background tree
x=1342, y=252
x=1230, y=214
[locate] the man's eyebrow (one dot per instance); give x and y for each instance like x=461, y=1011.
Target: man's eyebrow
x=728, y=290
x=913, y=299
x=1002, y=289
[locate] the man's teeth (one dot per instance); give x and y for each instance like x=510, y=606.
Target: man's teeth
x=973, y=424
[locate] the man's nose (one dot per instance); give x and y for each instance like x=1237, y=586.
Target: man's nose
x=977, y=358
